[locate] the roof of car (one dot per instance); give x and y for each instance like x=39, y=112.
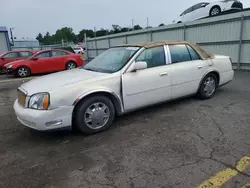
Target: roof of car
x=204, y=54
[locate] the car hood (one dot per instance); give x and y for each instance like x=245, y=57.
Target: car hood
x=17, y=61
x=58, y=80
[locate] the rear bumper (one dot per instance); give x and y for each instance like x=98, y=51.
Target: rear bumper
x=226, y=77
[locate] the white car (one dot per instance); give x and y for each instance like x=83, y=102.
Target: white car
x=78, y=50
x=120, y=80
x=205, y=9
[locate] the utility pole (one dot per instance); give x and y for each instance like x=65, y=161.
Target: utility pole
x=132, y=24
x=95, y=32
x=147, y=23
x=11, y=35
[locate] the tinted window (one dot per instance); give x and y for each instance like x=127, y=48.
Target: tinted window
x=154, y=57
x=179, y=53
x=43, y=55
x=25, y=54
x=188, y=11
x=199, y=5
x=11, y=55
x=193, y=53
x=58, y=53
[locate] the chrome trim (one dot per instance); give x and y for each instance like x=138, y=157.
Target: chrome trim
x=167, y=58
x=169, y=54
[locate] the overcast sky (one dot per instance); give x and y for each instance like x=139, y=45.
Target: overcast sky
x=29, y=17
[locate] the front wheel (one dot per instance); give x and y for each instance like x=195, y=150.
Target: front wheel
x=208, y=86
x=95, y=114
x=23, y=72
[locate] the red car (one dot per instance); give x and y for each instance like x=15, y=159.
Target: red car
x=43, y=62
x=14, y=56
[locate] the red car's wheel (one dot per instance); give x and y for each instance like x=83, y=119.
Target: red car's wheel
x=23, y=72
x=71, y=65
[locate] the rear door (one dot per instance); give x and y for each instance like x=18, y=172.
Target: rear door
x=187, y=70
x=188, y=15
x=200, y=10
x=42, y=63
x=59, y=59
x=25, y=54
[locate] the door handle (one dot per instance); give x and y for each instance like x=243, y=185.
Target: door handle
x=200, y=66
x=164, y=74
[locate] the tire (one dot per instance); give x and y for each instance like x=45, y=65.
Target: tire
x=90, y=116
x=215, y=11
x=207, y=88
x=70, y=65
x=23, y=72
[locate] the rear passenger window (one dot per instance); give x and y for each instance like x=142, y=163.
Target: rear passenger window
x=58, y=53
x=25, y=54
x=193, y=53
x=179, y=53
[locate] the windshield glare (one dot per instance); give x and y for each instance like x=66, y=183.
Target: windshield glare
x=111, y=60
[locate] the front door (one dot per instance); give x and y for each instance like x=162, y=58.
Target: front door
x=43, y=62
x=187, y=70
x=11, y=56
x=148, y=86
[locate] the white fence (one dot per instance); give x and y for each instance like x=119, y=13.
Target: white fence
x=227, y=34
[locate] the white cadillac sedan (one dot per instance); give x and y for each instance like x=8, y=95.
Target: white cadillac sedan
x=205, y=9
x=120, y=80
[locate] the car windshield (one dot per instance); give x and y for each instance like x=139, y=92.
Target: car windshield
x=111, y=60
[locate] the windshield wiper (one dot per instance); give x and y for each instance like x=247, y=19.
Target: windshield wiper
x=90, y=69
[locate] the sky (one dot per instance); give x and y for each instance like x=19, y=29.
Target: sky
x=29, y=17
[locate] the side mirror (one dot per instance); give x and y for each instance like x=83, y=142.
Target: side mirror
x=2, y=58
x=140, y=65
x=34, y=58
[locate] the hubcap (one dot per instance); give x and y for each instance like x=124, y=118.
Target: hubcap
x=209, y=86
x=97, y=115
x=215, y=11
x=71, y=66
x=22, y=72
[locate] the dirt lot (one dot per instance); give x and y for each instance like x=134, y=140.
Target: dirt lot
x=178, y=144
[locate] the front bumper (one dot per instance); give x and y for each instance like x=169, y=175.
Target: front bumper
x=44, y=120
x=9, y=71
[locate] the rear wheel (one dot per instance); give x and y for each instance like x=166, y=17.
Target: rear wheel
x=71, y=65
x=95, y=114
x=23, y=72
x=208, y=86
x=215, y=11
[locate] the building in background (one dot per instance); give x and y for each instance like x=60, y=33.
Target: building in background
x=26, y=43
x=4, y=40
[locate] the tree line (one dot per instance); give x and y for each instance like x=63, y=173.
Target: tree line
x=67, y=35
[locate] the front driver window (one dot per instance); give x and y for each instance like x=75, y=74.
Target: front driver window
x=43, y=55
x=154, y=57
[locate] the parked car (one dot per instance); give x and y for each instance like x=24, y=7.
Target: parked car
x=78, y=50
x=205, y=9
x=43, y=62
x=120, y=80
x=14, y=56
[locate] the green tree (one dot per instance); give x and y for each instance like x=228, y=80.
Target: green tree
x=39, y=37
x=137, y=27
x=162, y=24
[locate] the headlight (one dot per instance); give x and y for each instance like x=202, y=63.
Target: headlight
x=9, y=66
x=39, y=101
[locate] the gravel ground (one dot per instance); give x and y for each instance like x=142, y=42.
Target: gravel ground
x=176, y=144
